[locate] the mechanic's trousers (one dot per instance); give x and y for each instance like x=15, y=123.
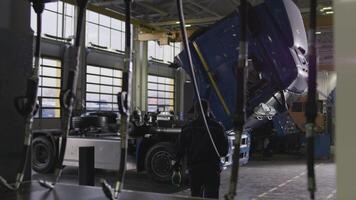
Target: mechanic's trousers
x=204, y=182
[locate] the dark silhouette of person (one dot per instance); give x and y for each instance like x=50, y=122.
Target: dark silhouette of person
x=203, y=162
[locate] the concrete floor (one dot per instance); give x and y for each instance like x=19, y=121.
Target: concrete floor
x=259, y=180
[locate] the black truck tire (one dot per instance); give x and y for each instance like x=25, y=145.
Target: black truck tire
x=158, y=161
x=43, y=155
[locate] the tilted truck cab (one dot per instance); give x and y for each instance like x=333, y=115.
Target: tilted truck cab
x=277, y=48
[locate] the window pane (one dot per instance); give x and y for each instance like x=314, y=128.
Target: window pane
x=159, y=52
x=106, y=80
x=50, y=92
x=161, y=94
x=105, y=106
x=106, y=89
x=92, y=16
x=92, y=97
x=69, y=26
x=93, y=70
x=152, y=101
x=50, y=113
x=52, y=82
x=50, y=102
x=51, y=6
x=152, y=86
x=47, y=71
x=106, y=72
x=161, y=87
x=152, y=93
x=106, y=98
x=93, y=79
x=151, y=49
x=104, y=20
x=116, y=90
x=152, y=108
x=33, y=21
x=117, y=82
x=92, y=88
x=123, y=41
x=152, y=78
x=115, y=42
x=92, y=33
x=69, y=9
x=116, y=24
x=51, y=62
x=104, y=36
x=117, y=73
x=92, y=106
x=170, y=95
x=49, y=23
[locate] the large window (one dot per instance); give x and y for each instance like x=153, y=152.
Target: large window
x=160, y=93
x=57, y=19
x=105, y=31
x=49, y=88
x=102, y=86
x=165, y=53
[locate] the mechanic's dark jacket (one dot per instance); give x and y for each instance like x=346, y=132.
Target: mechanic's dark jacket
x=195, y=142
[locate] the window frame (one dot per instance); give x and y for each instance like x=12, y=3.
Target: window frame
x=110, y=28
x=60, y=15
x=100, y=84
x=173, y=49
x=39, y=114
x=159, y=90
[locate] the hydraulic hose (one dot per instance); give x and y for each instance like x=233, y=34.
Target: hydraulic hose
x=189, y=56
x=240, y=99
x=27, y=105
x=311, y=106
x=67, y=96
x=124, y=104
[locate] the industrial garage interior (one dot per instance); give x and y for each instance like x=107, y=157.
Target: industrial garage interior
x=96, y=97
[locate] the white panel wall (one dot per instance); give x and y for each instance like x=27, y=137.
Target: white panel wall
x=345, y=53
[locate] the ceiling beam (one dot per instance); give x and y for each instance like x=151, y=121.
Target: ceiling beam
x=153, y=8
x=207, y=20
x=205, y=9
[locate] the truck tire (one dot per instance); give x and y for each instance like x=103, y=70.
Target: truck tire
x=43, y=155
x=90, y=121
x=158, y=161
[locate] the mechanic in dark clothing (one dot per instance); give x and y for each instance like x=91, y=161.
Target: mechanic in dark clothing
x=202, y=160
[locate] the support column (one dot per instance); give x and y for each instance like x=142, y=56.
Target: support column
x=180, y=79
x=16, y=39
x=139, y=94
x=345, y=59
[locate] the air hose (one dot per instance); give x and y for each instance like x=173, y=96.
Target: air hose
x=240, y=99
x=124, y=104
x=311, y=106
x=189, y=56
x=67, y=95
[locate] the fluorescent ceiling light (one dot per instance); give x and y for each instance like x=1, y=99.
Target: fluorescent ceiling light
x=326, y=8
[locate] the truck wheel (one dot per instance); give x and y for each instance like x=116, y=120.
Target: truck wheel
x=158, y=161
x=43, y=155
